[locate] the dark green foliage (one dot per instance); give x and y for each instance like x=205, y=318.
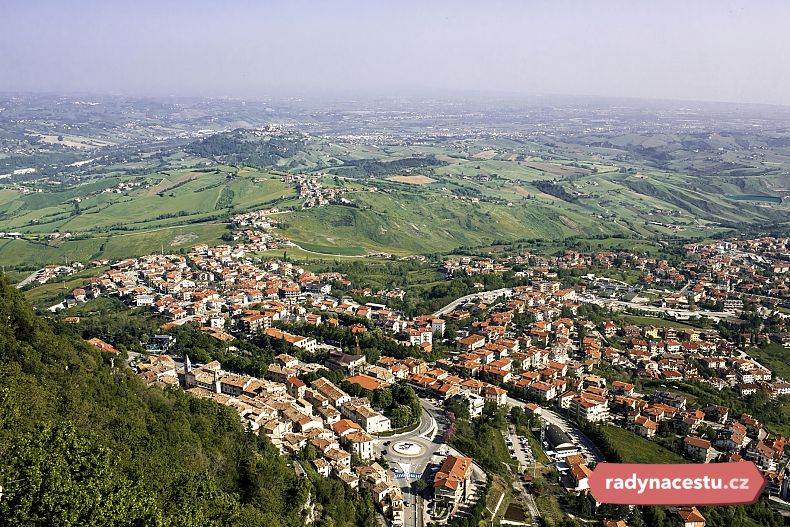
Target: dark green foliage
x=234, y=148
x=342, y=336
x=482, y=439
x=83, y=444
x=225, y=199
x=373, y=167
x=459, y=407
x=426, y=289
x=398, y=402
x=553, y=189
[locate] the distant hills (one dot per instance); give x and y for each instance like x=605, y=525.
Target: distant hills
x=412, y=182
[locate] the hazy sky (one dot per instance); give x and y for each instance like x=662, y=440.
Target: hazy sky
x=691, y=49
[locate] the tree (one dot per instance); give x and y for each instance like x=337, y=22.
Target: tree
x=382, y=398
x=635, y=519
x=70, y=479
x=401, y=416
x=459, y=406
x=309, y=452
x=92, y=445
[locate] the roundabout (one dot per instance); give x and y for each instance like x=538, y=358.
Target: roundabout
x=408, y=448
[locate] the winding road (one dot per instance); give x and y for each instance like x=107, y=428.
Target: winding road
x=482, y=294
x=425, y=442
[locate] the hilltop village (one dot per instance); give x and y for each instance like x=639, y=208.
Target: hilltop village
x=577, y=350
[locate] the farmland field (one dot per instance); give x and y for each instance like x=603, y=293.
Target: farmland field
x=414, y=180
x=435, y=195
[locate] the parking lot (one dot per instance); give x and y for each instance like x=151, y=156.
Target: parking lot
x=520, y=450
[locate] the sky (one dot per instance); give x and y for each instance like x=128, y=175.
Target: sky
x=660, y=49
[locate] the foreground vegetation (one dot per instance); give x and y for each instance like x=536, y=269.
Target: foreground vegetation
x=85, y=443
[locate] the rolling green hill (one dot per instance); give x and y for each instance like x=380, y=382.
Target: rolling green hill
x=436, y=196
x=425, y=222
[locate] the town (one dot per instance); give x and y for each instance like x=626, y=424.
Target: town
x=579, y=356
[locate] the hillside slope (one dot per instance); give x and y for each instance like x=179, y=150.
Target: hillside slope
x=84, y=444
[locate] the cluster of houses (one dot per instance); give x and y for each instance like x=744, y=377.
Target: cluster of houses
x=730, y=272
x=340, y=428
x=723, y=274
x=222, y=292
x=51, y=272
x=686, y=516
x=526, y=341
x=554, y=358
x=293, y=414
x=311, y=191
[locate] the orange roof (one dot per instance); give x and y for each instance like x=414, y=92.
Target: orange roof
x=344, y=425
x=101, y=345
x=690, y=515
x=453, y=471
x=366, y=382
x=697, y=442
x=580, y=472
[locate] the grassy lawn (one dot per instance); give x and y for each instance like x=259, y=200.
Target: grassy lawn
x=540, y=455
x=635, y=449
x=111, y=246
x=499, y=487
x=657, y=322
x=775, y=357
x=16, y=276
x=547, y=501
x=167, y=239
x=332, y=251
x=427, y=221
x=298, y=255
x=550, y=510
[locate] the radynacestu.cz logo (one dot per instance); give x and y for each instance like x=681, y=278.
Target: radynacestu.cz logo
x=691, y=484
x=648, y=484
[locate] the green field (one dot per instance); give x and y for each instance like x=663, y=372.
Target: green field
x=480, y=193
x=775, y=357
x=655, y=321
x=42, y=296
x=635, y=449
x=112, y=246
x=331, y=250
x=166, y=211
x=429, y=222
x=301, y=256
x=154, y=200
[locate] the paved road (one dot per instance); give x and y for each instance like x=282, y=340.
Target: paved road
x=296, y=245
x=29, y=279
x=455, y=303
x=429, y=437
x=551, y=417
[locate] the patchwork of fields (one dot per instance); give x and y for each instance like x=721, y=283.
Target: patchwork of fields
x=426, y=198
